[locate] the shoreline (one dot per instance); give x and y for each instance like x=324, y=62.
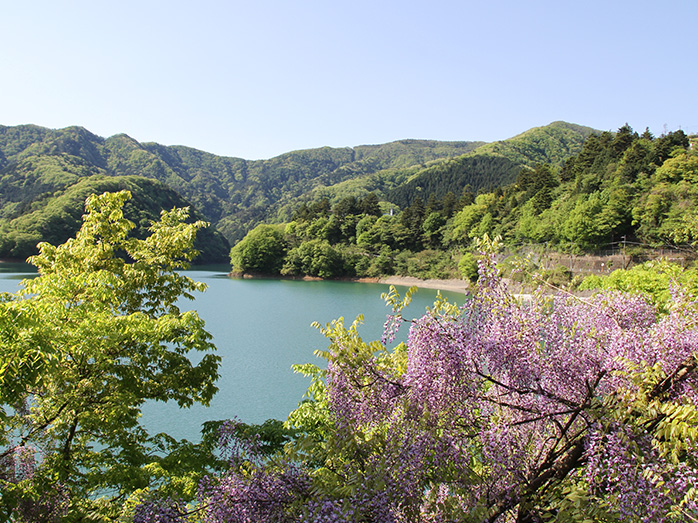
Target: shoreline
x=451, y=285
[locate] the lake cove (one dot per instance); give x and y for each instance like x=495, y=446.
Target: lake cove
x=261, y=327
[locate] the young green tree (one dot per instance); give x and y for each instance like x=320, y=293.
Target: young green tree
x=82, y=347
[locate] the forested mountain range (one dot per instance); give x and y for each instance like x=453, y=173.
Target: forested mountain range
x=42, y=170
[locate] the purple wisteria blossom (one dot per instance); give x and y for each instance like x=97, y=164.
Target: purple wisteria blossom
x=556, y=409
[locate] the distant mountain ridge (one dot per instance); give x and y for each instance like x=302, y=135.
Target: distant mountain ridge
x=38, y=164
x=495, y=164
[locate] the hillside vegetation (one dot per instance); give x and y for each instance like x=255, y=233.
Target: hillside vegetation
x=494, y=164
x=39, y=164
x=620, y=187
x=56, y=216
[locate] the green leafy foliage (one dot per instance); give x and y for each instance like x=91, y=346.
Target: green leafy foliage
x=467, y=266
x=664, y=211
x=314, y=258
x=262, y=250
x=84, y=345
x=657, y=280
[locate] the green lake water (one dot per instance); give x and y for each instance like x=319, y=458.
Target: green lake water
x=261, y=328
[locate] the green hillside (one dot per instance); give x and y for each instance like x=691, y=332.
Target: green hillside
x=494, y=164
x=39, y=164
x=484, y=167
x=56, y=216
x=621, y=188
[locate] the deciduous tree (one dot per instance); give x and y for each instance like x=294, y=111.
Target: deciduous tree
x=83, y=346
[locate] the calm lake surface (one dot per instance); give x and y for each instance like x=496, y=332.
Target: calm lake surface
x=261, y=328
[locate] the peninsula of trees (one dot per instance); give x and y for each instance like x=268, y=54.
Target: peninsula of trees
x=620, y=188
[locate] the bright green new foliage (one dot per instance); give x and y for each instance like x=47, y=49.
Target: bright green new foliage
x=657, y=280
x=82, y=347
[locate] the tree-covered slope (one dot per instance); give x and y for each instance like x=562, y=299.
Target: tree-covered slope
x=232, y=193
x=485, y=166
x=495, y=164
x=57, y=216
x=235, y=194
x=621, y=186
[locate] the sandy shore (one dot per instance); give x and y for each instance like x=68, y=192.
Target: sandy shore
x=453, y=285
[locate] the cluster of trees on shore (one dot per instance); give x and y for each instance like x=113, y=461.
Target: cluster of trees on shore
x=620, y=186
x=356, y=237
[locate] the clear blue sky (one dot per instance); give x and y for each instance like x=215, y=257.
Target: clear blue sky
x=258, y=78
